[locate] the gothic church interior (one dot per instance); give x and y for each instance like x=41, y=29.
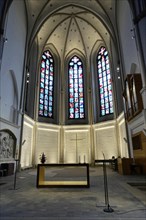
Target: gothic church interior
x=72, y=81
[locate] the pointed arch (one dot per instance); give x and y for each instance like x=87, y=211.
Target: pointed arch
x=76, y=105
x=104, y=82
x=46, y=92
x=76, y=88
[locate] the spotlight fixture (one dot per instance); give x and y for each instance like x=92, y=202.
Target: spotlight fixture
x=118, y=69
x=118, y=66
x=27, y=80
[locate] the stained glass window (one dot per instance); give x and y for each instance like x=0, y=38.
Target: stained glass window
x=76, y=89
x=104, y=81
x=46, y=85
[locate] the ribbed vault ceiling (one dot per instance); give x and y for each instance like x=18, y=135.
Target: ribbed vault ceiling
x=70, y=25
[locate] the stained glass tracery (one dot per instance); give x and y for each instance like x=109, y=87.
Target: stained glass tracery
x=76, y=89
x=46, y=85
x=105, y=84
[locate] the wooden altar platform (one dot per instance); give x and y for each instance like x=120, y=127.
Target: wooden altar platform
x=66, y=175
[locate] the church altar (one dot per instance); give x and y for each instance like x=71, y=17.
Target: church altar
x=63, y=175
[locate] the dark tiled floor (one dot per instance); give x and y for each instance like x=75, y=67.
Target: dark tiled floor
x=27, y=202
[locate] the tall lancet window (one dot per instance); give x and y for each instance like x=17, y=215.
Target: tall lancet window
x=76, y=89
x=104, y=81
x=46, y=98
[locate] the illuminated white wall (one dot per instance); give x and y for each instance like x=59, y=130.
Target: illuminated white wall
x=77, y=144
x=72, y=144
x=105, y=140
x=122, y=137
x=27, y=143
x=48, y=142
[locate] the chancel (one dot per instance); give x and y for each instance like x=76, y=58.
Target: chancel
x=73, y=80
x=72, y=87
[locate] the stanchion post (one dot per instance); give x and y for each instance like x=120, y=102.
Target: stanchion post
x=15, y=175
x=108, y=208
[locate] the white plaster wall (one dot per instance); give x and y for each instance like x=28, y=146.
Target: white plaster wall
x=77, y=144
x=122, y=137
x=47, y=141
x=12, y=61
x=105, y=140
x=27, y=143
x=70, y=144
x=12, y=58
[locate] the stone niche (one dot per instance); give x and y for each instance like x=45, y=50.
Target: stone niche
x=7, y=145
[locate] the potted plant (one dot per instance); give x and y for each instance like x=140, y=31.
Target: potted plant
x=43, y=158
